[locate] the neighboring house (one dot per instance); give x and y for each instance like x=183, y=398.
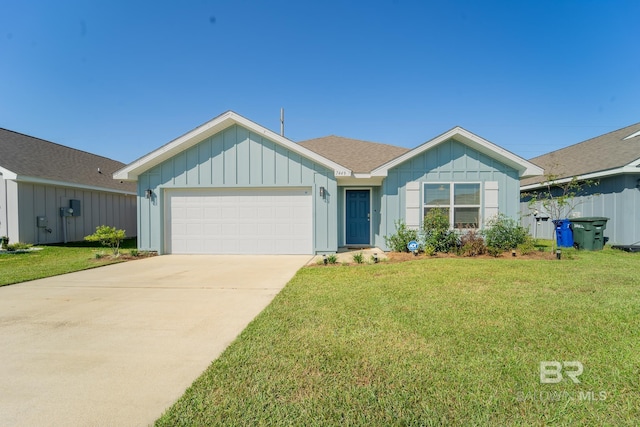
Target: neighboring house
x=233, y=186
x=613, y=161
x=50, y=193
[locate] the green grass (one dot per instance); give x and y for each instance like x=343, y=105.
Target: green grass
x=54, y=260
x=434, y=341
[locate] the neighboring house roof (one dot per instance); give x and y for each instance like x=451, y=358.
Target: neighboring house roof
x=210, y=128
x=524, y=167
x=609, y=154
x=359, y=156
x=29, y=159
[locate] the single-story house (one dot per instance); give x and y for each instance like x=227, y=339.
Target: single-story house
x=612, y=161
x=233, y=186
x=50, y=193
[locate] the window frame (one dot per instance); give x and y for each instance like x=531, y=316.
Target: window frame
x=452, y=205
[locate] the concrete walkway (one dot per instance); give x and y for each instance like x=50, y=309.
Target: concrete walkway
x=117, y=345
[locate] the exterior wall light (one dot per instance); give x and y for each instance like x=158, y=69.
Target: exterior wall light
x=322, y=191
x=148, y=193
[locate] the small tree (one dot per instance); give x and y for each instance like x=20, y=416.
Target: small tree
x=559, y=198
x=108, y=236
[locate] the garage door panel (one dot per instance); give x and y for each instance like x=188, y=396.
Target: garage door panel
x=265, y=221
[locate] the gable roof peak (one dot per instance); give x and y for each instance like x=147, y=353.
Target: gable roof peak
x=460, y=134
x=218, y=124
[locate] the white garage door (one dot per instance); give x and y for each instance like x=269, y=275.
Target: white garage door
x=239, y=221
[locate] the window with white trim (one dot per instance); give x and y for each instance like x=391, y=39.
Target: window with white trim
x=459, y=200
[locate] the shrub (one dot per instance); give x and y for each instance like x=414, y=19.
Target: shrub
x=134, y=252
x=18, y=246
x=436, y=233
x=429, y=250
x=472, y=244
x=398, y=241
x=504, y=233
x=332, y=259
x=4, y=241
x=528, y=246
x=494, y=252
x=358, y=258
x=108, y=236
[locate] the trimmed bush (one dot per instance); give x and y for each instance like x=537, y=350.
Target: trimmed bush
x=504, y=233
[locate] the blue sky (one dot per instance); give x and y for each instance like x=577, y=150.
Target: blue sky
x=120, y=78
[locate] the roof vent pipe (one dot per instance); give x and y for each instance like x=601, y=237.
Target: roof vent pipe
x=282, y=122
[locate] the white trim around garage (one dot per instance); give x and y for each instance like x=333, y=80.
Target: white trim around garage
x=238, y=221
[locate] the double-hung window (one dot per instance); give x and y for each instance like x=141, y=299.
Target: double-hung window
x=459, y=201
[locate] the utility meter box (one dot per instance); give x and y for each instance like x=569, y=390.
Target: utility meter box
x=42, y=222
x=66, y=212
x=74, y=204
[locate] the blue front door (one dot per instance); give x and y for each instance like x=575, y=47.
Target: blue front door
x=358, y=217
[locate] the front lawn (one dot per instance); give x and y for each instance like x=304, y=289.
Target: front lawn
x=434, y=341
x=55, y=260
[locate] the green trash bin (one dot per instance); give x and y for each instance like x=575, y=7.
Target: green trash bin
x=588, y=232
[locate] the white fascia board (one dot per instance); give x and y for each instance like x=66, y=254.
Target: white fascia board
x=593, y=175
x=216, y=125
x=525, y=167
x=634, y=164
x=7, y=174
x=44, y=181
x=633, y=135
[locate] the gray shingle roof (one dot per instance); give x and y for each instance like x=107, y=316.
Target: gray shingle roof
x=33, y=157
x=359, y=156
x=602, y=153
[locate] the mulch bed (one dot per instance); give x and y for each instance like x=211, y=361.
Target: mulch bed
x=405, y=256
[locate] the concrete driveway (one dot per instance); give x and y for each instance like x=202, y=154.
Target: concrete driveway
x=117, y=345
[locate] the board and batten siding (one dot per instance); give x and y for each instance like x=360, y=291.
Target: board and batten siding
x=450, y=161
x=616, y=198
x=236, y=158
x=97, y=208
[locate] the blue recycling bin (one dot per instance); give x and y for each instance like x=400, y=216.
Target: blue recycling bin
x=564, y=233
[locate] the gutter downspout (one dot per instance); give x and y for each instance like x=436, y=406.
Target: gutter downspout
x=6, y=211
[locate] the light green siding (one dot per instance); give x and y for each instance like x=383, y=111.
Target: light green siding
x=237, y=158
x=450, y=161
